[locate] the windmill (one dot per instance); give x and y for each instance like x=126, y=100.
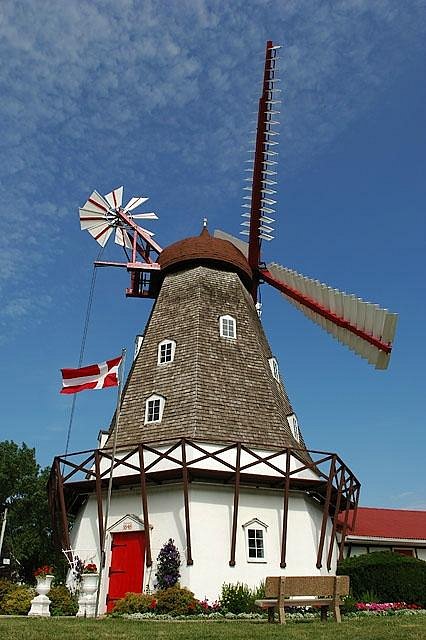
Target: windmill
x=209, y=449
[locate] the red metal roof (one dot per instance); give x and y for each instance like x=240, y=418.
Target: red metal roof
x=389, y=523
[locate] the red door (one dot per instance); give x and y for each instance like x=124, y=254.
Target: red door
x=127, y=565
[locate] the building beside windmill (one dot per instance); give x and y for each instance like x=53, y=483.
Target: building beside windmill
x=209, y=451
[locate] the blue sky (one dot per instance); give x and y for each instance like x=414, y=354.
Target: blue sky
x=160, y=97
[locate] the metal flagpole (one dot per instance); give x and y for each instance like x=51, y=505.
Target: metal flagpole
x=3, y=528
x=108, y=502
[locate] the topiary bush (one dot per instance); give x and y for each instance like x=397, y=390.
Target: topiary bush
x=168, y=563
x=18, y=601
x=135, y=603
x=239, y=598
x=392, y=577
x=176, y=601
x=63, y=603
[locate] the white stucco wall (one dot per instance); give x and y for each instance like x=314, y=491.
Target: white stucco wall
x=211, y=509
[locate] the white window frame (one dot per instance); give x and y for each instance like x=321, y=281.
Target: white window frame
x=255, y=525
x=223, y=321
x=273, y=363
x=294, y=426
x=173, y=349
x=153, y=398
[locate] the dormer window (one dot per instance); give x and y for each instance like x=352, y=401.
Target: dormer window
x=166, y=351
x=154, y=408
x=228, y=327
x=294, y=426
x=274, y=368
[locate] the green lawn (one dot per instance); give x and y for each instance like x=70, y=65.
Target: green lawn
x=389, y=628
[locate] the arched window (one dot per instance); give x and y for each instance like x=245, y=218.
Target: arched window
x=154, y=408
x=166, y=351
x=228, y=327
x=255, y=535
x=274, y=368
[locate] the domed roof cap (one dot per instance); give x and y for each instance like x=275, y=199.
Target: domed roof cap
x=205, y=249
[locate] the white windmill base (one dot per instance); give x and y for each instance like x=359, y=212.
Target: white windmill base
x=211, y=521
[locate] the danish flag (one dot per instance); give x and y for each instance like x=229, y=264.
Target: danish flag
x=94, y=376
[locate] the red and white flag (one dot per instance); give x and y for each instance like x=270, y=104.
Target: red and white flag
x=95, y=376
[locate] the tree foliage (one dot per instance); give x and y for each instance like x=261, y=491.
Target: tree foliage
x=28, y=537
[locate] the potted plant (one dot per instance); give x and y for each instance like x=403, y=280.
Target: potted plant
x=40, y=604
x=44, y=576
x=89, y=585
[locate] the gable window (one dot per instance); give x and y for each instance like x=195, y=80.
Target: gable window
x=166, y=351
x=154, y=408
x=274, y=368
x=228, y=327
x=255, y=534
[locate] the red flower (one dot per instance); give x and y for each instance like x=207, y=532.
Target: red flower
x=90, y=568
x=43, y=571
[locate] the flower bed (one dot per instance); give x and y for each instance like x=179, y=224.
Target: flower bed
x=385, y=606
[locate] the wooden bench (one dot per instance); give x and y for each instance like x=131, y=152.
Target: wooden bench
x=294, y=591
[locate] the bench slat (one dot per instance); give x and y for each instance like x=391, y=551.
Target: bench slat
x=297, y=602
x=307, y=586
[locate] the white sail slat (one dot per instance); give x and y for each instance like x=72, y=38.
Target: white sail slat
x=97, y=201
x=134, y=202
x=89, y=219
x=122, y=238
x=389, y=327
x=115, y=198
x=101, y=234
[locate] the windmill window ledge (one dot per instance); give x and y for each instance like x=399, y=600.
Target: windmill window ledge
x=228, y=327
x=154, y=408
x=166, y=352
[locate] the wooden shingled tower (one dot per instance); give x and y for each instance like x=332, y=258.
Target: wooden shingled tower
x=215, y=383
x=206, y=448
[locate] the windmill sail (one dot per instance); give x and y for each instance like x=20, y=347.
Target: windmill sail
x=364, y=327
x=240, y=244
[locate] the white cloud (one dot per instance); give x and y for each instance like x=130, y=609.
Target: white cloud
x=97, y=93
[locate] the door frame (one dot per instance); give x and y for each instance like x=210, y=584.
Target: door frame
x=126, y=524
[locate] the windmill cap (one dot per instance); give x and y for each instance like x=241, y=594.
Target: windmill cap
x=207, y=250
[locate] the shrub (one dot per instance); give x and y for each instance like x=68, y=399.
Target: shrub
x=369, y=596
x=6, y=587
x=63, y=603
x=18, y=601
x=349, y=604
x=135, y=603
x=239, y=598
x=168, y=563
x=392, y=577
x=176, y=601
